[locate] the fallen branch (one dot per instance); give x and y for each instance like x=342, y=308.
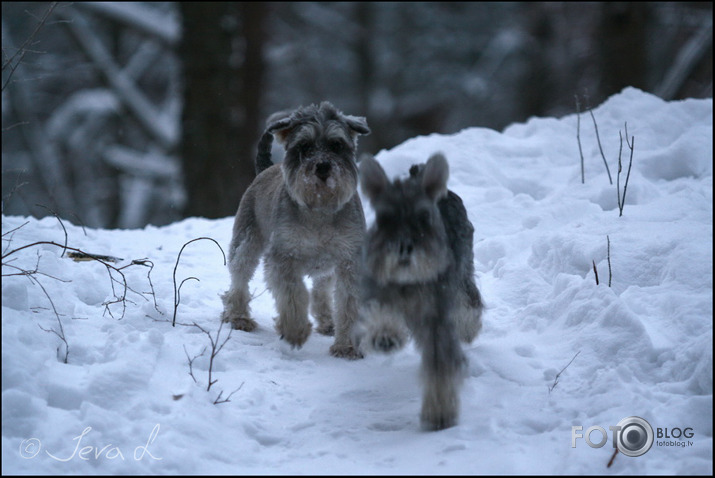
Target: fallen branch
x=83, y=256
x=125, y=285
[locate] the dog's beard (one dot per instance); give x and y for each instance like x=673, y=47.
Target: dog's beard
x=329, y=194
x=387, y=266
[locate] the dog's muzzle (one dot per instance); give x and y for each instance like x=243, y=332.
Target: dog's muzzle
x=322, y=170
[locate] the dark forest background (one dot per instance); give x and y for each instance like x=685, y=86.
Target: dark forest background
x=125, y=114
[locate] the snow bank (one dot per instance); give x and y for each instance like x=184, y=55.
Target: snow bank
x=556, y=351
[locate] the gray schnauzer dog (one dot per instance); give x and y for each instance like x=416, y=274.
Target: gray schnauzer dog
x=305, y=218
x=418, y=279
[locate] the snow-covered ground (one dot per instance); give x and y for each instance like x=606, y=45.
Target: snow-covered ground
x=125, y=403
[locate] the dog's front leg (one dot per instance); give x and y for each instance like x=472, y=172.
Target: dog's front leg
x=321, y=303
x=443, y=364
x=291, y=296
x=346, y=305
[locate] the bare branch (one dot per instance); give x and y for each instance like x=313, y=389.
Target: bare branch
x=14, y=61
x=227, y=399
x=215, y=348
x=578, y=136
x=608, y=239
x=119, y=298
x=620, y=167
x=595, y=271
x=556, y=379
x=176, y=289
x=61, y=333
x=631, y=146
x=64, y=229
x=613, y=457
x=147, y=263
x=191, y=361
x=600, y=148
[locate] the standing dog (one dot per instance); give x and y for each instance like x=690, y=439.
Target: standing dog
x=419, y=279
x=305, y=218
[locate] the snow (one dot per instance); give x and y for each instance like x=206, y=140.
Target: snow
x=556, y=351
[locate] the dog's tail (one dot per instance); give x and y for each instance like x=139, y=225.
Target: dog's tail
x=263, y=157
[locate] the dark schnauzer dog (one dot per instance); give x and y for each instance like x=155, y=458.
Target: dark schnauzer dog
x=305, y=218
x=418, y=279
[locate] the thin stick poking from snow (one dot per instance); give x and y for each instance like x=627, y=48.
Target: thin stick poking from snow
x=578, y=136
x=598, y=138
x=556, y=379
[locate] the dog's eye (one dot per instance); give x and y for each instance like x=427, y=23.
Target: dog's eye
x=424, y=218
x=305, y=149
x=337, y=146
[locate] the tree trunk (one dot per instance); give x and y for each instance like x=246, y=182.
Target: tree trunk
x=221, y=51
x=622, y=42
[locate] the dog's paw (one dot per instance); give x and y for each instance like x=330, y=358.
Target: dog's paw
x=295, y=335
x=345, y=351
x=440, y=406
x=388, y=339
x=434, y=420
x=241, y=323
x=326, y=329
x=387, y=342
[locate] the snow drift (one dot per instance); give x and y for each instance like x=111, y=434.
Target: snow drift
x=557, y=350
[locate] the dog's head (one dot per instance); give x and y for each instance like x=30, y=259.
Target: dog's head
x=407, y=244
x=319, y=167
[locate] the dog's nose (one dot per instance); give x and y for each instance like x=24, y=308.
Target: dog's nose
x=405, y=252
x=322, y=170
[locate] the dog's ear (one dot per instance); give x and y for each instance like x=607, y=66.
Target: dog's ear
x=280, y=124
x=358, y=124
x=373, y=179
x=435, y=175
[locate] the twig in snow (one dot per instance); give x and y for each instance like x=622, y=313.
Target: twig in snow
x=631, y=146
x=598, y=138
x=595, y=271
x=31, y=276
x=215, y=348
x=227, y=399
x=578, y=136
x=147, y=263
x=608, y=255
x=613, y=457
x=191, y=362
x=64, y=229
x=177, y=290
x=556, y=379
x=118, y=298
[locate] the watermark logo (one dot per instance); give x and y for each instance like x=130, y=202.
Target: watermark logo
x=31, y=448
x=632, y=436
